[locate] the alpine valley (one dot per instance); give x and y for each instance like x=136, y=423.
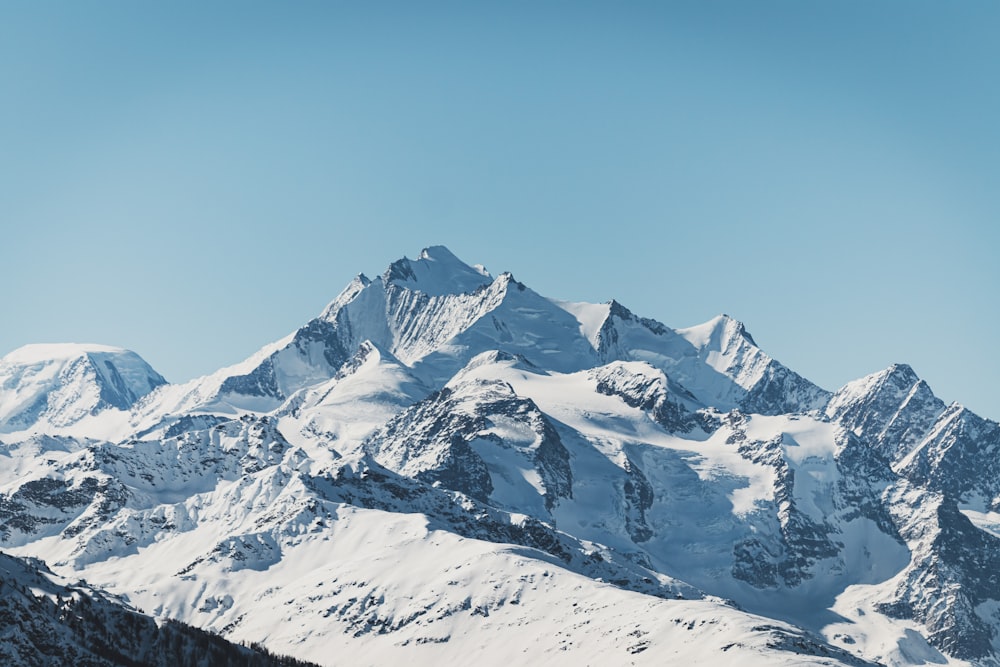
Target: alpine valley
x=445, y=467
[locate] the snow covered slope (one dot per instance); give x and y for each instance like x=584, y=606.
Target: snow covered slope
x=447, y=466
x=47, y=621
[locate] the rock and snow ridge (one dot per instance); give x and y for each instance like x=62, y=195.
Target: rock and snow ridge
x=446, y=465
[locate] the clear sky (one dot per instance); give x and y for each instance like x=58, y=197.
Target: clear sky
x=192, y=180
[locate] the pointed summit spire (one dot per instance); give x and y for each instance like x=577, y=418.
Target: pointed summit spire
x=902, y=374
x=717, y=332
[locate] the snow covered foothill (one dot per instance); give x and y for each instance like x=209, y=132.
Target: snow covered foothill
x=49, y=621
x=455, y=600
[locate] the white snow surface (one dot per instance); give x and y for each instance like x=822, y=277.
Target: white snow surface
x=436, y=272
x=378, y=588
x=591, y=317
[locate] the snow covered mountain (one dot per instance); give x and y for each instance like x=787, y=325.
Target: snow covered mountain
x=446, y=465
x=62, y=385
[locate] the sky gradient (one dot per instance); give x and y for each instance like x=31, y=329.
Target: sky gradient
x=194, y=180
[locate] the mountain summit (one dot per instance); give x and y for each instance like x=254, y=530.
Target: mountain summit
x=61, y=384
x=436, y=272
x=446, y=466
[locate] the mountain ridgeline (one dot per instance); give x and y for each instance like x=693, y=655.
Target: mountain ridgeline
x=447, y=466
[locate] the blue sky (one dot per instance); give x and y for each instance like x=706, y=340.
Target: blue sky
x=193, y=180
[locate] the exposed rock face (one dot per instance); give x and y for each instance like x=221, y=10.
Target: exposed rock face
x=893, y=409
x=641, y=386
x=451, y=439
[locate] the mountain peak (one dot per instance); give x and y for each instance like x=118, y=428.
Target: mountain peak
x=437, y=271
x=43, y=352
x=616, y=309
x=438, y=253
x=60, y=383
x=348, y=294
x=904, y=372
x=894, y=383
x=893, y=407
x=718, y=329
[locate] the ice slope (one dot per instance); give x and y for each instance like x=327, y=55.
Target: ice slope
x=433, y=314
